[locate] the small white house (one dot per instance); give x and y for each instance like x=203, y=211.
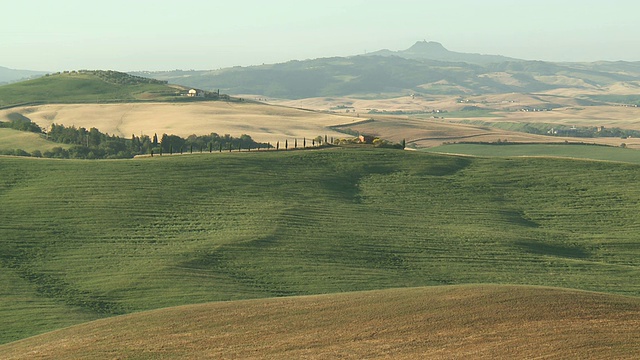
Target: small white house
x=196, y=93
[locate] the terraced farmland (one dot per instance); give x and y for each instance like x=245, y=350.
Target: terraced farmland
x=83, y=240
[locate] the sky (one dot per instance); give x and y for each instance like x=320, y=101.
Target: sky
x=56, y=35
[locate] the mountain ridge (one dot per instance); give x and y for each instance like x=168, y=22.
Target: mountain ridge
x=379, y=75
x=426, y=68
x=8, y=75
x=432, y=50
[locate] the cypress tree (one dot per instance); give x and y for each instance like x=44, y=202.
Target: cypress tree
x=286, y=144
x=171, y=149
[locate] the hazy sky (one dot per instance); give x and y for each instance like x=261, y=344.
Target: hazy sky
x=55, y=35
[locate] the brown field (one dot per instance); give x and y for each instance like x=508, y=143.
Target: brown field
x=261, y=122
x=479, y=322
x=425, y=133
x=286, y=119
x=428, y=132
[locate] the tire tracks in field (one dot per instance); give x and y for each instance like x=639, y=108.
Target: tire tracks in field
x=121, y=122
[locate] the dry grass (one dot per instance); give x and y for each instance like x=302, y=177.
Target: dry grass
x=262, y=122
x=285, y=120
x=480, y=322
x=433, y=132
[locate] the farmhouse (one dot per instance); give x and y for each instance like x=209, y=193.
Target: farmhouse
x=366, y=139
x=196, y=93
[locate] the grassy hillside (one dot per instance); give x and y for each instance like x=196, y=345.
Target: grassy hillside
x=82, y=240
x=479, y=322
x=591, y=152
x=90, y=86
x=13, y=139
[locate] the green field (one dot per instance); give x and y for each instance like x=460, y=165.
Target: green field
x=83, y=87
x=589, y=152
x=80, y=240
x=13, y=139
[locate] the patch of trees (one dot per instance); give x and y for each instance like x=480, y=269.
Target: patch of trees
x=592, y=132
x=20, y=122
x=115, y=77
x=93, y=144
x=377, y=142
x=212, y=142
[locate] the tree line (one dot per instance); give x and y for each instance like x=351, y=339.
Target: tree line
x=20, y=122
x=94, y=144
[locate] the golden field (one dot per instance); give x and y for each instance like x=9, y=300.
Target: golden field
x=476, y=321
x=262, y=122
x=440, y=118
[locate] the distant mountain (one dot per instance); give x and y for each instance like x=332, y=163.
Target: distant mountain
x=430, y=50
x=379, y=74
x=10, y=75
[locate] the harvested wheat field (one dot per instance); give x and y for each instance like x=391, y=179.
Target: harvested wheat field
x=479, y=322
x=261, y=122
x=427, y=133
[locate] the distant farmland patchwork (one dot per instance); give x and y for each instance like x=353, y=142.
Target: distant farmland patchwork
x=88, y=239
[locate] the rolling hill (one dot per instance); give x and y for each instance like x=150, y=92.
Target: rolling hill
x=83, y=240
x=13, y=139
x=480, y=322
x=425, y=68
x=262, y=122
x=88, y=87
